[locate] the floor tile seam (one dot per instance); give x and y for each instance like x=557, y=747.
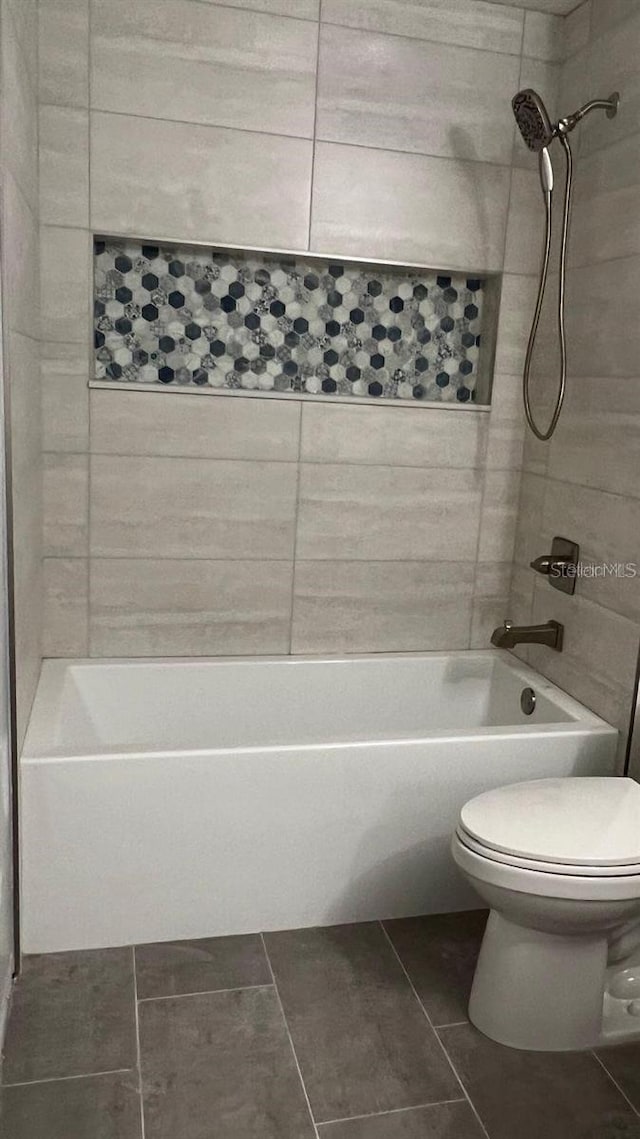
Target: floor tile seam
x=290, y=1038
x=435, y=1033
x=138, y=1045
x=390, y=1111
x=66, y=1079
x=204, y=993
x=615, y=1083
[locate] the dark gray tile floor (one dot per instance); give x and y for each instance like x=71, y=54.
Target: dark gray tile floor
x=350, y=1032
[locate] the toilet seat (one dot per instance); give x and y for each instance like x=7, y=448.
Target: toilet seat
x=565, y=838
x=569, y=869
x=585, y=825
x=544, y=882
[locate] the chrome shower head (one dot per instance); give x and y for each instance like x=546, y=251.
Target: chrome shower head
x=533, y=119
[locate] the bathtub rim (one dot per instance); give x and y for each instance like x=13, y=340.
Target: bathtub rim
x=38, y=747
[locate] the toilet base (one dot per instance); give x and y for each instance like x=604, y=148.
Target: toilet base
x=540, y=991
x=621, y=1005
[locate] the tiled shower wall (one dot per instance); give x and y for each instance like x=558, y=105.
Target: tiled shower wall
x=20, y=370
x=20, y=319
x=584, y=484
x=185, y=524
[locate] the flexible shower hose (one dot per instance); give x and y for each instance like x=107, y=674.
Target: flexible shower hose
x=544, y=435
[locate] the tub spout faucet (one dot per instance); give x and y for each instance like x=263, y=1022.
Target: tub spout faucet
x=509, y=635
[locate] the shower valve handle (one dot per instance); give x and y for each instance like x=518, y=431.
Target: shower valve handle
x=563, y=558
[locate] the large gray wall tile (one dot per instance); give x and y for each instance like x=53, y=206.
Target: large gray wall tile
x=386, y=513
x=21, y=299
x=469, y=23
x=64, y=166
x=491, y=600
x=392, y=205
x=64, y=52
x=602, y=679
x=394, y=436
x=516, y=306
x=499, y=515
x=303, y=9
x=543, y=36
x=18, y=112
x=189, y=608
x=577, y=26
x=612, y=66
x=607, y=187
x=216, y=196
x=222, y=427
x=525, y=223
x=607, y=16
x=24, y=15
x=409, y=94
x=597, y=442
x=506, y=423
x=191, y=508
x=227, y=66
x=608, y=526
x=533, y=489
x=66, y=504
x=64, y=275
x=599, y=302
x=66, y=607
x=65, y=396
x=351, y=607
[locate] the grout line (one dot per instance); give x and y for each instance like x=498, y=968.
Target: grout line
x=257, y=10
x=90, y=354
x=90, y=351
x=295, y=530
x=98, y=556
x=286, y=1025
x=202, y=993
x=446, y=467
x=452, y=1024
x=615, y=1082
x=391, y=1111
x=303, y=138
x=453, y=43
x=137, y=1017
x=64, y=1079
x=315, y=124
x=429, y=1022
x=207, y=125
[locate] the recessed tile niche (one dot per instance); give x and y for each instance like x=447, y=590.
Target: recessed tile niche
x=229, y=321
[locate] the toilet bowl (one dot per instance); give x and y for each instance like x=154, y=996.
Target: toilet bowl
x=558, y=863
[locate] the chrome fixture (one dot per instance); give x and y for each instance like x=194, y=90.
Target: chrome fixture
x=538, y=133
x=527, y=701
x=561, y=565
x=510, y=635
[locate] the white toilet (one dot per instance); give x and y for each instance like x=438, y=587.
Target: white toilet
x=558, y=862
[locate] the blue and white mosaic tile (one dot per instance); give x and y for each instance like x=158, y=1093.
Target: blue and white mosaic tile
x=251, y=322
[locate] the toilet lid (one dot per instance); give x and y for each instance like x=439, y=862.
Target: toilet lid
x=575, y=821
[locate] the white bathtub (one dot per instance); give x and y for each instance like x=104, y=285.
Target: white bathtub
x=180, y=799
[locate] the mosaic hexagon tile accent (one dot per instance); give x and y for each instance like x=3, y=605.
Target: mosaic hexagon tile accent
x=256, y=323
